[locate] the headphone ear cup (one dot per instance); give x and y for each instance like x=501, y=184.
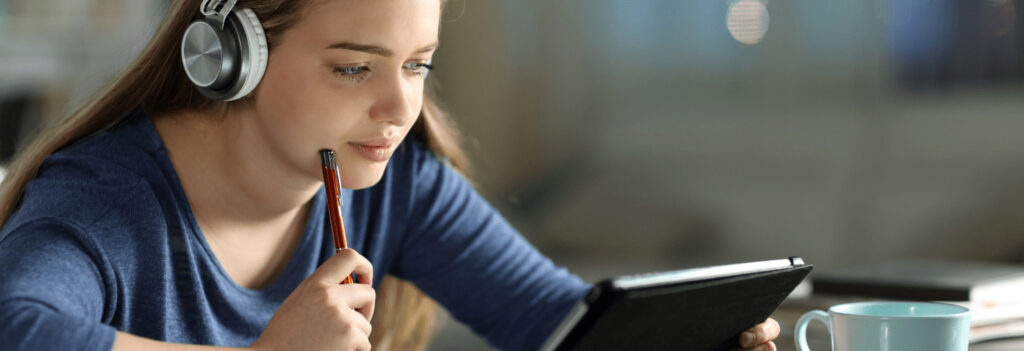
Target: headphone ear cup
x=255, y=52
x=210, y=58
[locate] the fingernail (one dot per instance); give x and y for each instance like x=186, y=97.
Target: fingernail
x=746, y=339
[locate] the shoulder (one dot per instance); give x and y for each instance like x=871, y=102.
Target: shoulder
x=414, y=154
x=416, y=162
x=416, y=173
x=415, y=177
x=88, y=180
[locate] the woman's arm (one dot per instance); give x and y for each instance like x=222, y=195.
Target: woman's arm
x=462, y=253
x=54, y=293
x=321, y=314
x=51, y=289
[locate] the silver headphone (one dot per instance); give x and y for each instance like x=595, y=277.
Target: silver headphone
x=224, y=50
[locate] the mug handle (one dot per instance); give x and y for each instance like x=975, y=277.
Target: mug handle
x=801, y=327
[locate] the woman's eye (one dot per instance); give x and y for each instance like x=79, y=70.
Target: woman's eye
x=420, y=68
x=356, y=73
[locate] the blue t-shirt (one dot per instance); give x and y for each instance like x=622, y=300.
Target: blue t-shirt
x=104, y=239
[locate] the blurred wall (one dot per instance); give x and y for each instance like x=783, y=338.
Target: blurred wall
x=55, y=54
x=634, y=135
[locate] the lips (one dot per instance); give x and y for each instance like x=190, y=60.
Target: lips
x=378, y=150
x=374, y=142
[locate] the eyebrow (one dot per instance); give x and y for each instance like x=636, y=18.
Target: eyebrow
x=377, y=50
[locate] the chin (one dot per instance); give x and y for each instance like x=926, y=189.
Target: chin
x=362, y=180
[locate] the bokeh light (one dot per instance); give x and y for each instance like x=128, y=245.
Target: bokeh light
x=747, y=21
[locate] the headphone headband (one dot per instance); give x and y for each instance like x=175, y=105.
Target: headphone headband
x=217, y=10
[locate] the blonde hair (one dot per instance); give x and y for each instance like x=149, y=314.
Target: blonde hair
x=405, y=318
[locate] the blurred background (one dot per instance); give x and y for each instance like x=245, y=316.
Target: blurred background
x=631, y=136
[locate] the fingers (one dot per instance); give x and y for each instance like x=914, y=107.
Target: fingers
x=354, y=309
x=353, y=322
x=343, y=263
x=360, y=321
x=357, y=332
x=361, y=297
x=760, y=334
x=364, y=345
x=352, y=297
x=769, y=346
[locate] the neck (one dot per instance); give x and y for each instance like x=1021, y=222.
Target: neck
x=232, y=178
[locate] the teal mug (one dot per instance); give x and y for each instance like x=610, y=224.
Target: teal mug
x=891, y=326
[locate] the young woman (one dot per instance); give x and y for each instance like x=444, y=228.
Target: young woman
x=177, y=210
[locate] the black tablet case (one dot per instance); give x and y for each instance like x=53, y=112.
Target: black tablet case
x=705, y=315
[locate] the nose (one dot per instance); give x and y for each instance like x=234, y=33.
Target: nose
x=396, y=100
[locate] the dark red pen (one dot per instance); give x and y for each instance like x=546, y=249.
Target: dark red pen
x=332, y=183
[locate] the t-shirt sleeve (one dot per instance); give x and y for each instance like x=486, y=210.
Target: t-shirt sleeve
x=51, y=290
x=462, y=253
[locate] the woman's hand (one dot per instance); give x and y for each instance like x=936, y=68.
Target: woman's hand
x=322, y=313
x=759, y=338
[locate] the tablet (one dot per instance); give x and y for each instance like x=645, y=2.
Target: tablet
x=692, y=309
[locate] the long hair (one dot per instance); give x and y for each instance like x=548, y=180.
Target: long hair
x=405, y=318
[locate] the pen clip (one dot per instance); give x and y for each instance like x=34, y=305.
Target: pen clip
x=329, y=161
x=337, y=176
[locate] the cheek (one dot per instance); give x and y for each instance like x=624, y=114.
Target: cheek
x=301, y=108
x=300, y=95
x=279, y=105
x=297, y=113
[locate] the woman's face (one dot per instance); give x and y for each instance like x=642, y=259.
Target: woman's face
x=348, y=77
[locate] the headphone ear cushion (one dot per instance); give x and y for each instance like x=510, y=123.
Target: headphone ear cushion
x=255, y=41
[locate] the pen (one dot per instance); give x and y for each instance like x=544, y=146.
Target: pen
x=332, y=183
